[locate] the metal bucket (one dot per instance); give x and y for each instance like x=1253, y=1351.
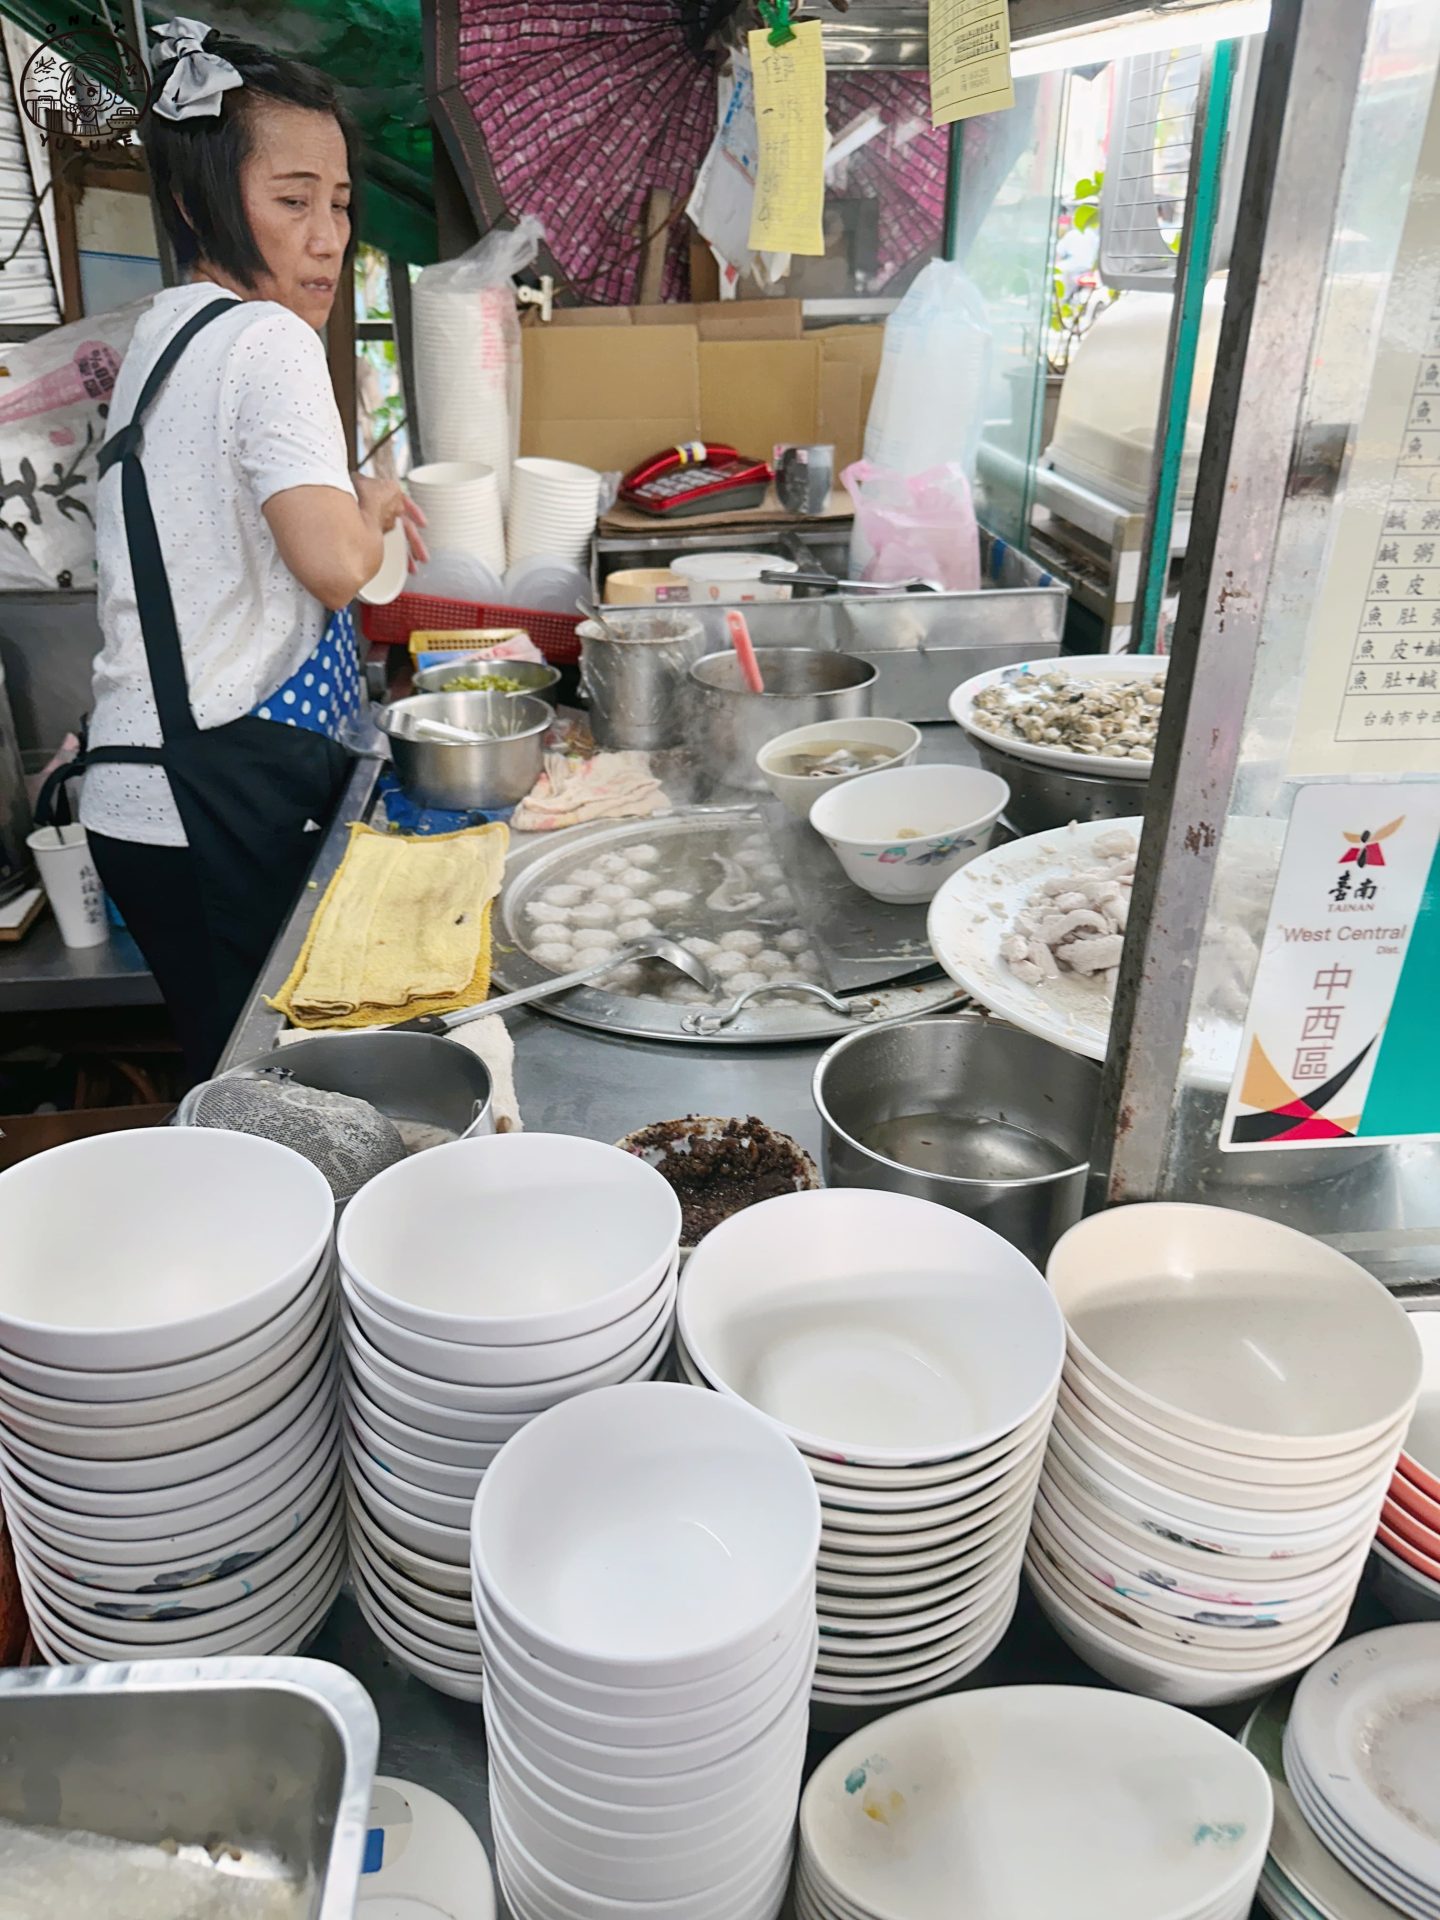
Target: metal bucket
x=1045, y=797
x=803, y=686
x=965, y=1111
x=636, y=685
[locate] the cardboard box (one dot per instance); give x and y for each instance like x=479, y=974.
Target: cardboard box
x=609, y=385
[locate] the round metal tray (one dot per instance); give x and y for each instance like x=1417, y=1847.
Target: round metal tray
x=551, y=858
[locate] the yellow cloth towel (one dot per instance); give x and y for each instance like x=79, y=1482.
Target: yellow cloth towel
x=403, y=929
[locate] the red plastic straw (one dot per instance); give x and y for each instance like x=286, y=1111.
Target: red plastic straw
x=744, y=650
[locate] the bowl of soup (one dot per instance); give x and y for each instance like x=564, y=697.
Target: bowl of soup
x=801, y=765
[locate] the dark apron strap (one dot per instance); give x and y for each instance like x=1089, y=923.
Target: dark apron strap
x=158, y=629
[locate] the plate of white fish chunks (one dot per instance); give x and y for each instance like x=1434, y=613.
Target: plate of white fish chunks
x=1034, y=929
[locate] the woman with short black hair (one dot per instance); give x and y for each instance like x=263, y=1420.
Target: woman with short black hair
x=227, y=524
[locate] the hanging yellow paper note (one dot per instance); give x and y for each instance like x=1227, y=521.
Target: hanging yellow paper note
x=969, y=59
x=789, y=209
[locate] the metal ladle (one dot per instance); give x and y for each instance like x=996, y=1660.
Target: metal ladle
x=653, y=948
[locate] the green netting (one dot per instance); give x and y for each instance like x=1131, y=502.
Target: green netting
x=371, y=48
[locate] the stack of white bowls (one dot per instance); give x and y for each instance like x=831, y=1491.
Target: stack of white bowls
x=553, y=505
x=463, y=513
x=1406, y=1567
x=912, y=1356
x=644, y=1564
x=482, y=1282
x=1362, y=1759
x=465, y=350
x=169, y=1454
x=1018, y=1802
x=1235, y=1395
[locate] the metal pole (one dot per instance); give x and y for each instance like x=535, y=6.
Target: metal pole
x=1192, y=270
x=1309, y=81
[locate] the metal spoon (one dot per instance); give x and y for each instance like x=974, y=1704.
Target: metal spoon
x=700, y=1020
x=654, y=948
x=594, y=613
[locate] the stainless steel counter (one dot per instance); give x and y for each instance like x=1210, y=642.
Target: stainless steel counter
x=40, y=974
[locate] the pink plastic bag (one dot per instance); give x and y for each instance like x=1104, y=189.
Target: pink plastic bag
x=922, y=527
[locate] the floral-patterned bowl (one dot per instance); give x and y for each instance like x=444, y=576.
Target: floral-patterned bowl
x=900, y=834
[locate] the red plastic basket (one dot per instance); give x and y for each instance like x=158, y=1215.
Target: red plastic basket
x=555, y=634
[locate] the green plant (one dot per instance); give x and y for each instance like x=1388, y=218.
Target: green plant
x=1073, y=312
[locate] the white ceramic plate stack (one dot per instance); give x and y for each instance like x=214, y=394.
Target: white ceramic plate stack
x=1016, y=1802
x=1362, y=1758
x=1301, y=1879
x=169, y=1454
x=553, y=505
x=644, y=1565
x=912, y=1356
x=463, y=514
x=481, y=1283
x=1234, y=1398
x=1406, y=1566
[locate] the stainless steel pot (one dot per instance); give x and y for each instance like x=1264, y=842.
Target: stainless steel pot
x=636, y=685
x=275, y=1758
x=495, y=771
x=803, y=686
x=965, y=1111
x=1043, y=797
x=420, y=1077
x=534, y=676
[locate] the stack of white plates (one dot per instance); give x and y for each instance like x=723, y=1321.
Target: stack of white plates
x=466, y=367
x=481, y=1283
x=1018, y=1802
x=461, y=503
x=168, y=1385
x=1234, y=1399
x=1407, y=1544
x=553, y=504
x=912, y=1356
x=644, y=1564
x=1302, y=1879
x=1362, y=1758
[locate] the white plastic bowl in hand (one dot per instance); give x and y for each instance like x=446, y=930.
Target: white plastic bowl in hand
x=799, y=791
x=900, y=834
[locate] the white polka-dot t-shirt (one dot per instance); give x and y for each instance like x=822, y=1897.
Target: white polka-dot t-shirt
x=247, y=413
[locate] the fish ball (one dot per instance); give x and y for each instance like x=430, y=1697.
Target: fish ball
x=670, y=899
x=592, y=940
x=746, y=940
x=644, y=855
x=637, y=929
x=636, y=879
x=725, y=966
x=594, y=914
x=611, y=892
x=771, y=960
x=556, y=959
x=744, y=981
x=563, y=896
x=794, y=941
x=543, y=916
x=609, y=864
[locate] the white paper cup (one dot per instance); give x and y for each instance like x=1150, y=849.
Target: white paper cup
x=71, y=884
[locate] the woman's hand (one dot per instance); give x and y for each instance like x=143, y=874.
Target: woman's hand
x=382, y=503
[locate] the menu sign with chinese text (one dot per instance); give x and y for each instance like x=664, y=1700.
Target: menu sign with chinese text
x=1371, y=696
x=1341, y=1041
x=969, y=59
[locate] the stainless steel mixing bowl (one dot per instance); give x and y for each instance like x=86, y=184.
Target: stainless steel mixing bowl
x=965, y=1111
x=496, y=770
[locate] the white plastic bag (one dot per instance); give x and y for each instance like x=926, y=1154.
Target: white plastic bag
x=930, y=396
x=914, y=527
x=467, y=350
x=54, y=406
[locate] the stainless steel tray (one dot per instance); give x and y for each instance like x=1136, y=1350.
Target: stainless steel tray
x=924, y=644
x=273, y=1759
x=682, y=838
